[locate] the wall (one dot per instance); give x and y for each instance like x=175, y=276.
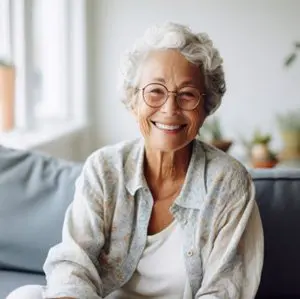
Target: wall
x=73, y=146
x=252, y=36
x=67, y=141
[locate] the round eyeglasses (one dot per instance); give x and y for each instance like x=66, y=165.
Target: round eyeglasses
x=156, y=95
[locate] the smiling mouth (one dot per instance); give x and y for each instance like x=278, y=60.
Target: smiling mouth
x=168, y=127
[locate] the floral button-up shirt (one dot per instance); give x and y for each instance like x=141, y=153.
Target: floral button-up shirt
x=105, y=227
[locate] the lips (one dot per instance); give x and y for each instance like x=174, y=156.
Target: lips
x=169, y=127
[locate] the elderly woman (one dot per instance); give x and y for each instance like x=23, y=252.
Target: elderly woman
x=166, y=216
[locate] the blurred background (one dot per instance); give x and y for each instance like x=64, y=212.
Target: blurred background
x=59, y=69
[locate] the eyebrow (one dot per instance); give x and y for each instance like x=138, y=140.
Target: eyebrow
x=184, y=83
x=159, y=79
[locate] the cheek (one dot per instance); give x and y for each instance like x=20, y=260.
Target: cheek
x=142, y=116
x=196, y=120
x=144, y=126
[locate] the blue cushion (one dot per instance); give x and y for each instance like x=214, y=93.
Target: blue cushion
x=278, y=197
x=35, y=191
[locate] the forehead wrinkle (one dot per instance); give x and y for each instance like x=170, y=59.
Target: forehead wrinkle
x=180, y=85
x=172, y=69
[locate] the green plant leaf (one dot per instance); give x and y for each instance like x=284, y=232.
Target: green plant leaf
x=259, y=138
x=289, y=121
x=290, y=59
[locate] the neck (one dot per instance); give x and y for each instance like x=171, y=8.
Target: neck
x=166, y=166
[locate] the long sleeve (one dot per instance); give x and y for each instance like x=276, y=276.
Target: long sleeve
x=71, y=266
x=232, y=268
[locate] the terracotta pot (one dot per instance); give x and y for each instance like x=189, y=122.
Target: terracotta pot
x=223, y=145
x=260, y=152
x=261, y=156
x=7, y=97
x=264, y=164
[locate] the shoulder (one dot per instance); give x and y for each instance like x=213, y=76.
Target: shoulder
x=112, y=154
x=223, y=172
x=108, y=162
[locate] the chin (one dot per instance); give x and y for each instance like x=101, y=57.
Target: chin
x=167, y=146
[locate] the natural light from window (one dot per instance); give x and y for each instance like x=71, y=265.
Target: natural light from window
x=43, y=43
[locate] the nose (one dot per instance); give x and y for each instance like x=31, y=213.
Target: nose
x=170, y=107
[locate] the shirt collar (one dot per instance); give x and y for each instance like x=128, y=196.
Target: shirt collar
x=193, y=190
x=134, y=168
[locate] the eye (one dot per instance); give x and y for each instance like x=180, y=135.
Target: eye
x=189, y=92
x=156, y=91
x=186, y=94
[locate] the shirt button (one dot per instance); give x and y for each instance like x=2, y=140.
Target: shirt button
x=190, y=253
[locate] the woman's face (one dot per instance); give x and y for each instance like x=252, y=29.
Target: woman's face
x=169, y=128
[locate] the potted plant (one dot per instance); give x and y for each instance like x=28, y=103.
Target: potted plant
x=289, y=126
x=7, y=89
x=289, y=122
x=290, y=59
x=261, y=154
x=212, y=132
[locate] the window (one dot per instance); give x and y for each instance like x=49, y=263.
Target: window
x=45, y=40
x=5, y=42
x=51, y=30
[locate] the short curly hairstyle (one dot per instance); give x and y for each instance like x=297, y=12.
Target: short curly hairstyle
x=196, y=48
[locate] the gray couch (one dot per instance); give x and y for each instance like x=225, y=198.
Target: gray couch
x=35, y=191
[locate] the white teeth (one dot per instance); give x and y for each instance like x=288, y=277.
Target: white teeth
x=167, y=127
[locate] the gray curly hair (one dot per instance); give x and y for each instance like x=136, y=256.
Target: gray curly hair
x=196, y=48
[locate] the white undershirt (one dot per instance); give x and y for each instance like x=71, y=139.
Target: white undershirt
x=161, y=271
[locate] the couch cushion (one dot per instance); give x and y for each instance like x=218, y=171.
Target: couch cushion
x=35, y=191
x=278, y=197
x=10, y=280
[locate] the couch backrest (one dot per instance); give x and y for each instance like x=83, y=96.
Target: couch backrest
x=31, y=185
x=278, y=197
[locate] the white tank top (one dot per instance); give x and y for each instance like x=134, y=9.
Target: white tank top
x=161, y=271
